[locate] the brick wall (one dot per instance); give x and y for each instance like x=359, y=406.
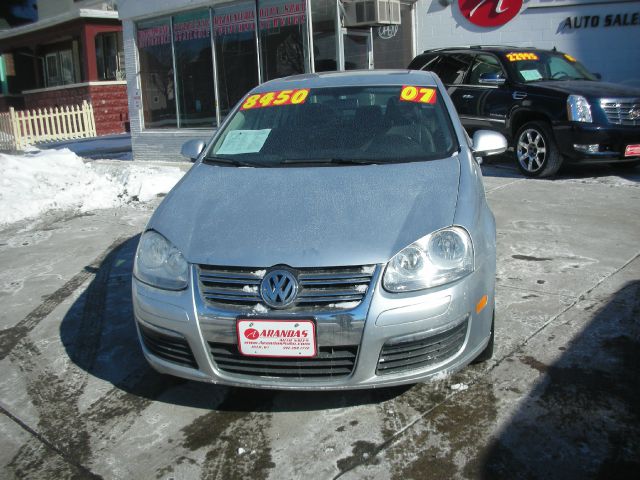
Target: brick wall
x=15, y=101
x=110, y=107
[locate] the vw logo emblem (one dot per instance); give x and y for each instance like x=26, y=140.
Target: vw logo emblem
x=279, y=288
x=634, y=113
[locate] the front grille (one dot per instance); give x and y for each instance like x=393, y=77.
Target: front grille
x=319, y=288
x=622, y=111
x=413, y=354
x=330, y=362
x=173, y=348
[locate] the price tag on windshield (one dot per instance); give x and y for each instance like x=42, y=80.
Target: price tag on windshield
x=418, y=94
x=276, y=99
x=520, y=56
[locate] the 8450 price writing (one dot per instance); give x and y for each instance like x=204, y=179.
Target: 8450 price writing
x=275, y=99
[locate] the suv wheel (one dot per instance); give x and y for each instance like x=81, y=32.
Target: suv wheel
x=536, y=151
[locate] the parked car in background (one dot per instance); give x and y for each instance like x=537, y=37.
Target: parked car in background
x=334, y=234
x=546, y=102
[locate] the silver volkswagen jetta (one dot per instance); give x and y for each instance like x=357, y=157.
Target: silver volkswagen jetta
x=333, y=234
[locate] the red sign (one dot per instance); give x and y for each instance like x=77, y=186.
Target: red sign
x=489, y=13
x=252, y=333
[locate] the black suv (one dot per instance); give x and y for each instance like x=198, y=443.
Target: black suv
x=549, y=106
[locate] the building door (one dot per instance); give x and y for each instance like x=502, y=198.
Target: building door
x=358, y=49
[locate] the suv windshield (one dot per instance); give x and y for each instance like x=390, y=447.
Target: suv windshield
x=540, y=65
x=343, y=125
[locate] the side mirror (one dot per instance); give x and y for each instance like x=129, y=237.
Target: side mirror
x=192, y=149
x=487, y=142
x=492, y=79
x=597, y=75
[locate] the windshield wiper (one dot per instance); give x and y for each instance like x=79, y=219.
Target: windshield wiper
x=335, y=161
x=230, y=161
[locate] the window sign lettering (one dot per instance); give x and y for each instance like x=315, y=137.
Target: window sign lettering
x=150, y=37
x=282, y=15
x=191, y=29
x=232, y=21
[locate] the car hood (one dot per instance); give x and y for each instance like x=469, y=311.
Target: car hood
x=589, y=89
x=306, y=217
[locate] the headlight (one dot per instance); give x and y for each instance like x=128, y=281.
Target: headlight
x=441, y=257
x=578, y=109
x=160, y=264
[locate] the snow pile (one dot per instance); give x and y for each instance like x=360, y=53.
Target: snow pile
x=59, y=180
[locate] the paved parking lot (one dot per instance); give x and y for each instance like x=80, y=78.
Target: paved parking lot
x=560, y=398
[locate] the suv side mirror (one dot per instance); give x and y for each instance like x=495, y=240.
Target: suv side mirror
x=597, y=75
x=487, y=142
x=492, y=79
x=192, y=149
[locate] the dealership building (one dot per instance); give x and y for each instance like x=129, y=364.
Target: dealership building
x=189, y=61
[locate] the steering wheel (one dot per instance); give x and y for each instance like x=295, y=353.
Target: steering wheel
x=559, y=75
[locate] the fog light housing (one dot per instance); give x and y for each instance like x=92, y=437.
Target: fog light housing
x=587, y=148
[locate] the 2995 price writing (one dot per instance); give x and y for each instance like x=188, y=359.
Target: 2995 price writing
x=517, y=57
x=410, y=93
x=275, y=99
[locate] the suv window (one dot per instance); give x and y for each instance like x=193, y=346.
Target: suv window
x=422, y=62
x=452, y=68
x=484, y=64
x=558, y=67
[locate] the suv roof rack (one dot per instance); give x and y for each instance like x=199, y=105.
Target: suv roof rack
x=479, y=47
x=445, y=48
x=497, y=46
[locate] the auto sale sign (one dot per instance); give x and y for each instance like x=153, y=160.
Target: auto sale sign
x=276, y=338
x=489, y=13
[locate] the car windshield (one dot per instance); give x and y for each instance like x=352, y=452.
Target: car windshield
x=333, y=126
x=539, y=65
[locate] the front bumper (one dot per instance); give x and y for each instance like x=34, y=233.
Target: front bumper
x=380, y=319
x=613, y=139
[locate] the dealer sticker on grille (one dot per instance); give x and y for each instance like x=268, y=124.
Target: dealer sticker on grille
x=276, y=338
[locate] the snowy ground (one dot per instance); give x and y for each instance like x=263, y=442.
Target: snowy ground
x=41, y=181
x=78, y=400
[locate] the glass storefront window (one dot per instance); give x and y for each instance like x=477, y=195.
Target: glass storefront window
x=194, y=67
x=357, y=47
x=156, y=74
x=323, y=16
x=254, y=41
x=283, y=38
x=236, y=52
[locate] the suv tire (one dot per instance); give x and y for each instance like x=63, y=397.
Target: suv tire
x=536, y=151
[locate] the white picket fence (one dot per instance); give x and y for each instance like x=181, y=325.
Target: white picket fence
x=27, y=127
